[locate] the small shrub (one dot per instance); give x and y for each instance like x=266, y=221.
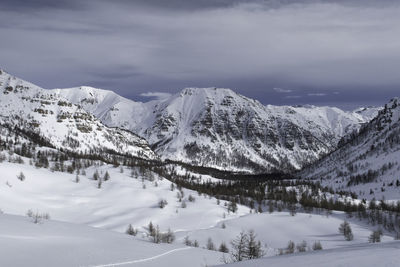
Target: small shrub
x=21, y=176
x=162, y=203
x=131, y=231
x=317, y=245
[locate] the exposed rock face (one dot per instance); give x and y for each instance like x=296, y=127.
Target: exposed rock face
x=219, y=128
x=64, y=125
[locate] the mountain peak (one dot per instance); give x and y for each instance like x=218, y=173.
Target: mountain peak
x=65, y=125
x=394, y=102
x=206, y=91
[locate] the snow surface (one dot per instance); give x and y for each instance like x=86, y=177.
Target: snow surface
x=122, y=201
x=277, y=229
x=366, y=255
x=52, y=243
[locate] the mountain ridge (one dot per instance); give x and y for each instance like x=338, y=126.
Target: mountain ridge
x=199, y=125
x=63, y=124
x=366, y=161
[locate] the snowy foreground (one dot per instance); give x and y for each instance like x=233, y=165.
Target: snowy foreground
x=51, y=243
x=366, y=255
x=94, y=221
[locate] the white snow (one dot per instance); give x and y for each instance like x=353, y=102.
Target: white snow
x=223, y=122
x=53, y=243
x=63, y=124
x=366, y=255
x=122, y=201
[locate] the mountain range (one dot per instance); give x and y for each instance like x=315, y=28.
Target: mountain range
x=211, y=127
x=219, y=128
x=58, y=123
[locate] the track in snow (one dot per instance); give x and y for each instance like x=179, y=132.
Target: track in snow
x=140, y=260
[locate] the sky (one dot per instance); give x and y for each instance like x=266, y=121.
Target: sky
x=343, y=53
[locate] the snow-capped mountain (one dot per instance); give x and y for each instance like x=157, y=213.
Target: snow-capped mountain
x=367, y=161
x=220, y=128
x=64, y=125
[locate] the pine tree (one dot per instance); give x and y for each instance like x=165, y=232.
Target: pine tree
x=223, y=248
x=151, y=229
x=167, y=237
x=21, y=176
x=157, y=235
x=375, y=236
x=96, y=175
x=239, y=247
x=317, y=245
x=254, y=250
x=232, y=206
x=290, y=247
x=302, y=247
x=131, y=230
x=270, y=207
x=106, y=176
x=345, y=229
x=210, y=245
x=187, y=241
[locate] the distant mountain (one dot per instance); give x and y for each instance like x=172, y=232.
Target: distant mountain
x=219, y=128
x=41, y=113
x=367, y=161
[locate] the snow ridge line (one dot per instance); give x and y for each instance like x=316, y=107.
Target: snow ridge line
x=140, y=260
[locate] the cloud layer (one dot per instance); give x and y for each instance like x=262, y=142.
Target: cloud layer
x=156, y=95
x=259, y=48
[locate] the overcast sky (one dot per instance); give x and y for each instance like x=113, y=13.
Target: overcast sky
x=340, y=52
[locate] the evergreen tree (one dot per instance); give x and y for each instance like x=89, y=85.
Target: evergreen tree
x=302, y=247
x=239, y=247
x=106, y=176
x=96, y=175
x=21, y=176
x=290, y=247
x=223, y=248
x=131, y=231
x=232, y=206
x=254, y=250
x=375, y=236
x=151, y=229
x=210, y=244
x=317, y=245
x=345, y=230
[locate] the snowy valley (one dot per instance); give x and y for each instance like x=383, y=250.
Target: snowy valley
x=204, y=177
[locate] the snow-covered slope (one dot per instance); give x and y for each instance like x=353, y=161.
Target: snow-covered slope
x=367, y=162
x=53, y=243
x=121, y=200
x=124, y=200
x=366, y=255
x=61, y=123
x=220, y=128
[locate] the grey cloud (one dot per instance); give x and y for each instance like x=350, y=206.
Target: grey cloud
x=26, y=5
x=157, y=95
x=139, y=46
x=282, y=90
x=316, y=94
